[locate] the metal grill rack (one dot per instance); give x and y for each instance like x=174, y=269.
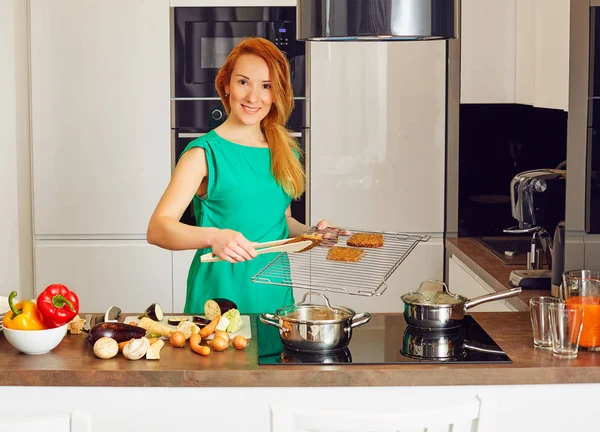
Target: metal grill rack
x=367, y=277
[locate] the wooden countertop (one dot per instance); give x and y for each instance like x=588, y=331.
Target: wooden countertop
x=72, y=363
x=489, y=268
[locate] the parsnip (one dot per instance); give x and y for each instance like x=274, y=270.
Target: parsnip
x=155, y=327
x=153, y=352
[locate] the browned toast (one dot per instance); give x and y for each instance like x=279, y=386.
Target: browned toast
x=338, y=253
x=365, y=240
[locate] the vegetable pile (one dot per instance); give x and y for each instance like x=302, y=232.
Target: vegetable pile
x=141, y=340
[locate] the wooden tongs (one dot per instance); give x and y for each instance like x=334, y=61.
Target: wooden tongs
x=302, y=243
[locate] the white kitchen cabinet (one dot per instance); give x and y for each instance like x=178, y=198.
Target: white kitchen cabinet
x=377, y=148
x=551, y=54
x=100, y=88
x=463, y=281
x=181, y=266
x=515, y=51
x=488, y=39
x=130, y=274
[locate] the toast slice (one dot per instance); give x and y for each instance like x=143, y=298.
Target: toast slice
x=316, y=240
x=339, y=253
x=365, y=240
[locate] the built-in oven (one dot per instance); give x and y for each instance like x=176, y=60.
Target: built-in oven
x=202, y=37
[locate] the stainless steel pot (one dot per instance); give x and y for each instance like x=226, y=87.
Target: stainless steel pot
x=443, y=309
x=315, y=328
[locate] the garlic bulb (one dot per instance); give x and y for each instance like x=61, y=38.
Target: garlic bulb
x=136, y=349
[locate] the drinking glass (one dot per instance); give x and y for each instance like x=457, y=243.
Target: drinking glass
x=540, y=320
x=566, y=322
x=582, y=287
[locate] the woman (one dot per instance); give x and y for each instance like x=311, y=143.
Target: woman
x=241, y=177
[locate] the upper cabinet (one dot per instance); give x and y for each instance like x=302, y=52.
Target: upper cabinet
x=515, y=51
x=100, y=88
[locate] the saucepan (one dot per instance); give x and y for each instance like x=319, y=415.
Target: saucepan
x=441, y=309
x=315, y=328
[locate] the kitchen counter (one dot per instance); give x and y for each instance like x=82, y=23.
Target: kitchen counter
x=72, y=363
x=490, y=269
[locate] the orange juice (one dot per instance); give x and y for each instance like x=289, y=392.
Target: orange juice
x=590, y=333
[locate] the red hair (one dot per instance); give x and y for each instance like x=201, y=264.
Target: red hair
x=285, y=164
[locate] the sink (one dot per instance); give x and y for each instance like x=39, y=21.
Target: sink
x=504, y=247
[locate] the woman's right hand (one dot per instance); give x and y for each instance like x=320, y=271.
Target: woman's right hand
x=232, y=246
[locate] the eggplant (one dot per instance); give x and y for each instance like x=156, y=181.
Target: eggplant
x=200, y=321
x=154, y=312
x=118, y=331
x=217, y=306
x=176, y=320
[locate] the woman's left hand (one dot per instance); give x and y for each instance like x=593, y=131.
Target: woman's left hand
x=330, y=232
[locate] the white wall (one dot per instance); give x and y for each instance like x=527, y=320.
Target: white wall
x=16, y=263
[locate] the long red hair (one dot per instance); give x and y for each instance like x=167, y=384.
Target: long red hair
x=285, y=163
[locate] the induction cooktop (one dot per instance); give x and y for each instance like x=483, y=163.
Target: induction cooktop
x=389, y=340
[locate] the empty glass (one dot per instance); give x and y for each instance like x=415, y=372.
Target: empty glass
x=566, y=322
x=540, y=320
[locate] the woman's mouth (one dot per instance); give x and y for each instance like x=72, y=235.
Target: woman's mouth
x=250, y=110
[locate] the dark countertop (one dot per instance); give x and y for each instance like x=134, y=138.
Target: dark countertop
x=73, y=363
x=489, y=268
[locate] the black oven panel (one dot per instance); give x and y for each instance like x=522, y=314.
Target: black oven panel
x=204, y=37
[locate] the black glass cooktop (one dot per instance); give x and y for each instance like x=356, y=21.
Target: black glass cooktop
x=389, y=340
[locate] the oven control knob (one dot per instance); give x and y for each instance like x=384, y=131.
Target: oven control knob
x=217, y=114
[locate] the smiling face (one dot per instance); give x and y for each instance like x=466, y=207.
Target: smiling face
x=249, y=90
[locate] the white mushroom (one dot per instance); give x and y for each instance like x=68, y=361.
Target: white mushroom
x=136, y=348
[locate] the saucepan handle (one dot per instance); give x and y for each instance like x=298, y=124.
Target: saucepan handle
x=270, y=319
x=491, y=297
x=359, y=319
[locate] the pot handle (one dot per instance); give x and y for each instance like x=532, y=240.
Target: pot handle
x=359, y=319
x=270, y=319
x=301, y=302
x=491, y=297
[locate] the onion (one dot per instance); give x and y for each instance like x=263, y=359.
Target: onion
x=240, y=342
x=177, y=339
x=219, y=344
x=222, y=334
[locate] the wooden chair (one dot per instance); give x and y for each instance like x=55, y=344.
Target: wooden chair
x=77, y=421
x=455, y=416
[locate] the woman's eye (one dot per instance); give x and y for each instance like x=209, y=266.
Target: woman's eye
x=267, y=86
x=243, y=82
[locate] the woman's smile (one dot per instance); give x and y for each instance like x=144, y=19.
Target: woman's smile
x=250, y=110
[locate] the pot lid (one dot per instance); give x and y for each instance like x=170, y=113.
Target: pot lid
x=376, y=20
x=427, y=296
x=301, y=311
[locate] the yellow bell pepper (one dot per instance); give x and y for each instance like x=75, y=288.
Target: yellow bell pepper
x=25, y=315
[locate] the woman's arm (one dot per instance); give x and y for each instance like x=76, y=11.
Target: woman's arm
x=294, y=227
x=165, y=229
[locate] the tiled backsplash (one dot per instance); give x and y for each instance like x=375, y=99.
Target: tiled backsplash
x=498, y=141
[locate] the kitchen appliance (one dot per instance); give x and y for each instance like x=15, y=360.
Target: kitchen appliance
x=537, y=200
x=386, y=20
x=538, y=204
x=389, y=340
x=202, y=37
x=431, y=308
x=315, y=328
x=592, y=170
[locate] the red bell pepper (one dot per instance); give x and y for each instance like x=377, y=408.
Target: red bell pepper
x=58, y=305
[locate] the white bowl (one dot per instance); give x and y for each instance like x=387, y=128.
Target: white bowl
x=35, y=341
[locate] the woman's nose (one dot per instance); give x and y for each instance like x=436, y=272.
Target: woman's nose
x=253, y=95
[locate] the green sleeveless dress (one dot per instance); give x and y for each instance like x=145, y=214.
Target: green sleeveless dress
x=242, y=195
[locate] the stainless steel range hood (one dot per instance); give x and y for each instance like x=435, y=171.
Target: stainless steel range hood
x=376, y=20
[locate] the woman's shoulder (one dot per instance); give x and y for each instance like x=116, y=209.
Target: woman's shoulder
x=204, y=141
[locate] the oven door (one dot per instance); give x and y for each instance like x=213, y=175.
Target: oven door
x=204, y=37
